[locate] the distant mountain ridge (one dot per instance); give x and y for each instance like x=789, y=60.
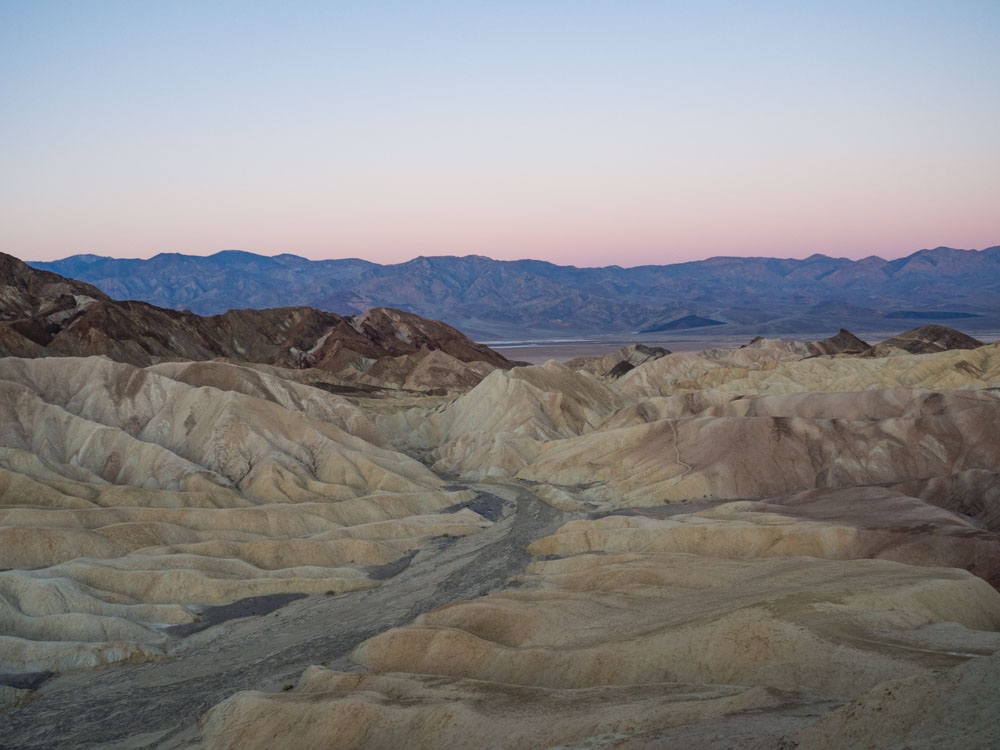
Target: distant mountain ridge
x=487, y=297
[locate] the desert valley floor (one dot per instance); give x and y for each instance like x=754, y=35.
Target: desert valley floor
x=785, y=545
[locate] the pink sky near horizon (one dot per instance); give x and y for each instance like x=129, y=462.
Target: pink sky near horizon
x=635, y=235
x=642, y=214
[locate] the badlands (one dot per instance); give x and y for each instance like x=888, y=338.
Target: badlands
x=414, y=543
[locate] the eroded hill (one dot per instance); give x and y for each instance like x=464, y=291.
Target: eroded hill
x=790, y=544
x=45, y=315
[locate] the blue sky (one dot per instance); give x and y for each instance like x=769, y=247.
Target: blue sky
x=594, y=133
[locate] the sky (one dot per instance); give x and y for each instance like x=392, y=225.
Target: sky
x=586, y=133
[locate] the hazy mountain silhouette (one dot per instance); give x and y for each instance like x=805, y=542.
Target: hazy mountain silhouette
x=486, y=297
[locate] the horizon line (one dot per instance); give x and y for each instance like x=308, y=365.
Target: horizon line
x=153, y=256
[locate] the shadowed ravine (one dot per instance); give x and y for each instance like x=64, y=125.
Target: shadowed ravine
x=152, y=705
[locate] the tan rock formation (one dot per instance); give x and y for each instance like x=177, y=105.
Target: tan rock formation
x=334, y=709
x=427, y=370
x=684, y=373
x=129, y=495
x=791, y=623
x=541, y=402
x=619, y=362
x=843, y=524
x=949, y=708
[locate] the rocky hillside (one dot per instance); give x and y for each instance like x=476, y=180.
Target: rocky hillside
x=788, y=544
x=43, y=314
x=524, y=298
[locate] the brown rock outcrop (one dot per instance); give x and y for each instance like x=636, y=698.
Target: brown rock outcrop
x=42, y=314
x=925, y=340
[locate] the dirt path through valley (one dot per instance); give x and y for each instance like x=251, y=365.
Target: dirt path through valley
x=155, y=705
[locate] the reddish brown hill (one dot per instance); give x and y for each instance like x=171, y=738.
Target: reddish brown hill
x=26, y=292
x=44, y=314
x=844, y=342
x=927, y=340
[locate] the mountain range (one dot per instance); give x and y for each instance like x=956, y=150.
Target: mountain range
x=489, y=298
